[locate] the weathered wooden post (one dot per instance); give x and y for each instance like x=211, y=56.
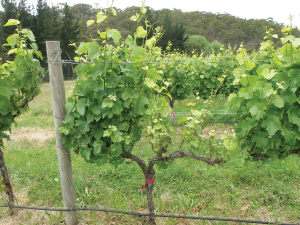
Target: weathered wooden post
x=59, y=112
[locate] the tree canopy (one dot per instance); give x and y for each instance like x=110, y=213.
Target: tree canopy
x=68, y=25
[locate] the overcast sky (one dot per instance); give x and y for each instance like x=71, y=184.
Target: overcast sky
x=279, y=10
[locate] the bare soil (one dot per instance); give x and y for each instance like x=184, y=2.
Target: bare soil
x=33, y=134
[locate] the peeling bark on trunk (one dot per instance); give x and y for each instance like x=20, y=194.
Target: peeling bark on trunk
x=6, y=181
x=149, y=173
x=149, y=189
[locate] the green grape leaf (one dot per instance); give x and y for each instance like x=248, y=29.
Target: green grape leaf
x=133, y=18
x=268, y=74
x=139, y=105
x=69, y=118
x=296, y=42
x=70, y=105
x=90, y=117
x=245, y=93
x=129, y=94
x=96, y=71
x=250, y=65
x=100, y=17
x=81, y=49
x=130, y=42
x=117, y=108
x=4, y=105
x=114, y=11
x=93, y=50
x=137, y=51
x=150, y=83
x=97, y=147
x=257, y=111
x=97, y=131
x=80, y=106
x=90, y=22
x=141, y=32
x=12, y=22
x=153, y=74
x=29, y=34
x=114, y=34
x=96, y=110
x=116, y=149
x=264, y=45
x=102, y=160
x=107, y=103
x=272, y=124
x=293, y=116
x=34, y=46
x=288, y=96
x=272, y=154
x=277, y=101
x=83, y=125
x=262, y=67
x=12, y=40
x=6, y=90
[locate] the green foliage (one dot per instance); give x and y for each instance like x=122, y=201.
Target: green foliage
x=197, y=44
x=216, y=47
x=198, y=76
x=269, y=99
x=18, y=78
x=110, y=100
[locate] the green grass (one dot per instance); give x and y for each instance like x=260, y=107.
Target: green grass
x=239, y=188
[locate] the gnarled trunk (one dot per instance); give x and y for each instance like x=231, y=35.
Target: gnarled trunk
x=6, y=181
x=150, y=176
x=149, y=171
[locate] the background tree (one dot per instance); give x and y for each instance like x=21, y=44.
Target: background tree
x=69, y=34
x=48, y=25
x=10, y=12
x=216, y=47
x=83, y=13
x=173, y=33
x=24, y=14
x=197, y=44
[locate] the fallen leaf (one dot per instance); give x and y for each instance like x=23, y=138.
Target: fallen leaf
x=248, y=202
x=244, y=210
x=201, y=204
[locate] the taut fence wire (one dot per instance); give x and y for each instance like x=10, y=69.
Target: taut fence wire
x=162, y=215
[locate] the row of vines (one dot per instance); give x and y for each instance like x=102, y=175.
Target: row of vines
x=125, y=92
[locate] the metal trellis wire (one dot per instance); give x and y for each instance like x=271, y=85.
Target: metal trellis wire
x=162, y=215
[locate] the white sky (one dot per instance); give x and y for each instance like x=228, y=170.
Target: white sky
x=257, y=9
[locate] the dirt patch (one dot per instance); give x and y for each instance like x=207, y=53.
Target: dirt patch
x=38, y=135
x=219, y=131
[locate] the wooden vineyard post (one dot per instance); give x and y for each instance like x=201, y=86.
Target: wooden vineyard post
x=59, y=112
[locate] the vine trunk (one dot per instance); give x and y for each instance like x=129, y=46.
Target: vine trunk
x=6, y=181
